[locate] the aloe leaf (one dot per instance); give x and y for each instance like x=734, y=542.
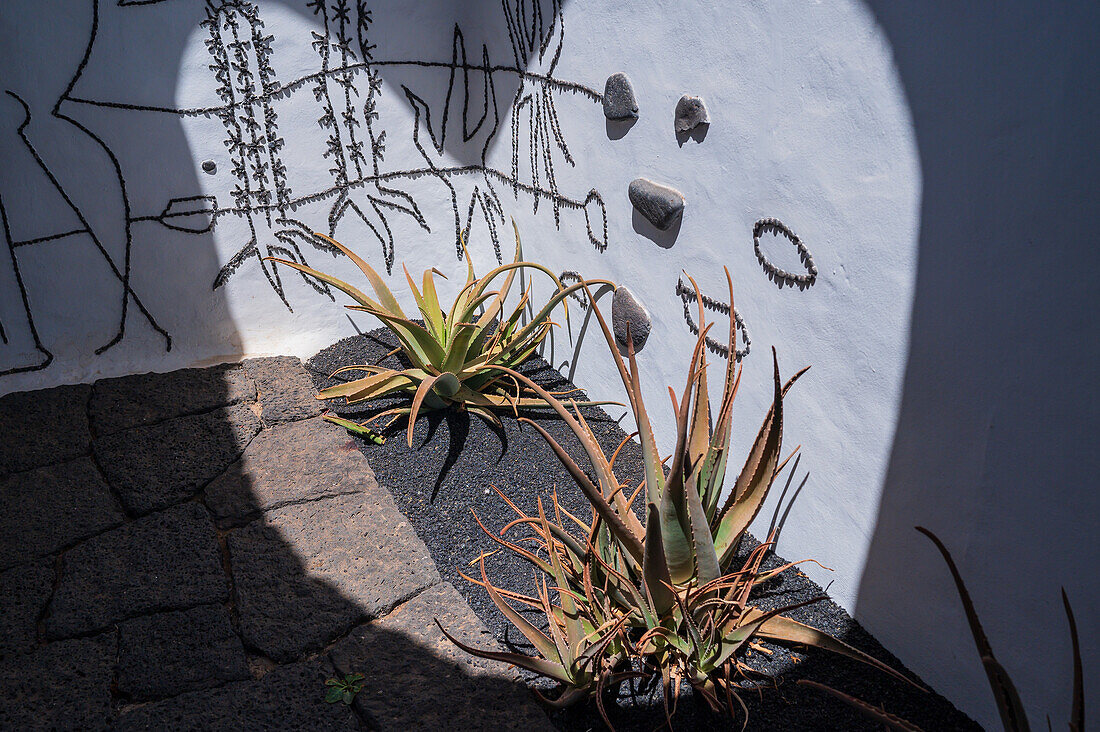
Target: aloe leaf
x=619, y=529
x=339, y=284
x=418, y=399
x=538, y=639
x=654, y=566
x=756, y=477
x=871, y=712
x=433, y=313
x=706, y=558
x=385, y=296
x=1077, y=711
x=419, y=345
x=371, y=386
x=1008, y=700
x=458, y=347
x=651, y=458
x=786, y=630
x=540, y=666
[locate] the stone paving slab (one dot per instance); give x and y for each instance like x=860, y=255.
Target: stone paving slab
x=61, y=686
x=143, y=399
x=288, y=463
x=24, y=591
x=288, y=698
x=47, y=509
x=156, y=466
x=171, y=653
x=165, y=561
x=417, y=679
x=43, y=427
x=284, y=388
x=306, y=573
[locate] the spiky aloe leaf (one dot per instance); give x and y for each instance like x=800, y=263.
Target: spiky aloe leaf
x=871, y=712
x=785, y=630
x=1077, y=709
x=624, y=535
x=1008, y=700
x=540, y=666
x=655, y=572
x=350, y=290
x=385, y=296
x=756, y=477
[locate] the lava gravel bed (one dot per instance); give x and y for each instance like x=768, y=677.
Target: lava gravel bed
x=444, y=479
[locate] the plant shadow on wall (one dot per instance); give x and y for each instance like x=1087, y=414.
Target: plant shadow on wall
x=92, y=113
x=992, y=449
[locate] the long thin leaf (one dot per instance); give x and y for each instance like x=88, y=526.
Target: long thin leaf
x=1008, y=700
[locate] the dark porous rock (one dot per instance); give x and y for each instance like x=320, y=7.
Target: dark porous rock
x=625, y=308
x=410, y=666
x=65, y=685
x=289, y=699
x=155, y=466
x=132, y=401
x=660, y=205
x=165, y=561
x=43, y=427
x=170, y=653
x=306, y=573
x=289, y=463
x=49, y=508
x=690, y=113
x=284, y=388
x=619, y=101
x=24, y=591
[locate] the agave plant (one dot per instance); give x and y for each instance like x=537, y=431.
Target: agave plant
x=664, y=596
x=461, y=357
x=1009, y=704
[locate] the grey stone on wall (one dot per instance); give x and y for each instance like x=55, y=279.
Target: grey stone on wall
x=625, y=308
x=660, y=205
x=690, y=113
x=619, y=101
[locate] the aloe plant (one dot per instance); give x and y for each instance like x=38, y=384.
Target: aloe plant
x=664, y=596
x=458, y=358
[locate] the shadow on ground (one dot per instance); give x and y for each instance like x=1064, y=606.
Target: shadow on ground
x=198, y=550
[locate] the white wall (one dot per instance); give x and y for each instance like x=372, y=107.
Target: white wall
x=814, y=121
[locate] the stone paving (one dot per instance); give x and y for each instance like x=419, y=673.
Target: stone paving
x=199, y=550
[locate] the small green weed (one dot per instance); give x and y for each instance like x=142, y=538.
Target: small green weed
x=343, y=690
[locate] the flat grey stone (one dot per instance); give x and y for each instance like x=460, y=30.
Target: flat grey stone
x=171, y=653
x=619, y=101
x=660, y=205
x=49, y=508
x=690, y=113
x=306, y=573
x=61, y=686
x=289, y=463
x=165, y=561
x=43, y=427
x=24, y=591
x=625, y=308
x=289, y=698
x=158, y=465
x=143, y=399
x=284, y=388
x=416, y=678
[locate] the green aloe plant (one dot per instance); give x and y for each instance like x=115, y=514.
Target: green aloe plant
x=459, y=358
x=664, y=596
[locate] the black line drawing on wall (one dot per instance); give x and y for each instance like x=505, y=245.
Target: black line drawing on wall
x=779, y=276
x=345, y=89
